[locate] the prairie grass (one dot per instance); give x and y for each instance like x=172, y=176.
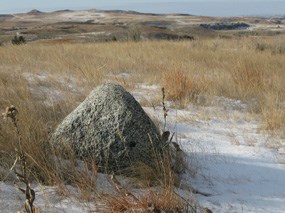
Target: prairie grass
x=31, y=74
x=152, y=201
x=46, y=81
x=223, y=67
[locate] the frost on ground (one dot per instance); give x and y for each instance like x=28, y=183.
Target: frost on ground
x=229, y=157
x=47, y=200
x=50, y=89
x=52, y=199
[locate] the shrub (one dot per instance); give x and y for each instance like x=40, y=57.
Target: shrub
x=114, y=38
x=182, y=87
x=134, y=33
x=248, y=77
x=278, y=49
x=226, y=26
x=17, y=40
x=261, y=46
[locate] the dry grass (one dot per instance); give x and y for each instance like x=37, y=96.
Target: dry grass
x=46, y=81
x=46, y=165
x=231, y=68
x=151, y=201
x=273, y=113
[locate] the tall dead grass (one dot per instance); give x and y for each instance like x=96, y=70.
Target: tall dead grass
x=183, y=87
x=46, y=81
x=45, y=165
x=223, y=67
x=232, y=68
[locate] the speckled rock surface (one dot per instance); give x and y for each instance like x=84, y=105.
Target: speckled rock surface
x=110, y=127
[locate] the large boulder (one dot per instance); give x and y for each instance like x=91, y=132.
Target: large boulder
x=110, y=127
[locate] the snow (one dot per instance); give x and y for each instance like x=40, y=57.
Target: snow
x=82, y=16
x=49, y=93
x=228, y=157
x=51, y=199
x=47, y=200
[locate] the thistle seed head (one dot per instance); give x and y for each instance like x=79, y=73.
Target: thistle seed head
x=10, y=112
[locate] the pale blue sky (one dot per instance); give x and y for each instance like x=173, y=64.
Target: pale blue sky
x=196, y=7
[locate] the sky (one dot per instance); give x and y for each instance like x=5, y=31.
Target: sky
x=195, y=7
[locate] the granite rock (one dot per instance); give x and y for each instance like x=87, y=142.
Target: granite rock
x=110, y=127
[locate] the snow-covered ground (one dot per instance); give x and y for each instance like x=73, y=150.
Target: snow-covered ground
x=83, y=15
x=229, y=157
x=52, y=199
x=47, y=200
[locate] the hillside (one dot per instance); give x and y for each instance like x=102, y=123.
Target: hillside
x=223, y=103
x=96, y=25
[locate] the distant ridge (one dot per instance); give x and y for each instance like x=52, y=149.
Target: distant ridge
x=6, y=16
x=63, y=11
x=38, y=12
x=142, y=13
x=35, y=12
x=182, y=14
x=130, y=12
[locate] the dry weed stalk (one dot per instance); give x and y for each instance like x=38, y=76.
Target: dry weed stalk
x=165, y=199
x=85, y=180
x=153, y=201
x=165, y=111
x=124, y=200
x=11, y=112
x=176, y=155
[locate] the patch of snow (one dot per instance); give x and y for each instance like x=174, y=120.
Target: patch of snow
x=30, y=77
x=81, y=16
x=41, y=87
x=141, y=90
x=124, y=75
x=148, y=87
x=233, y=163
x=95, y=33
x=47, y=200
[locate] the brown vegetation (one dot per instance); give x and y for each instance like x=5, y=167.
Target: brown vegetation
x=46, y=81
